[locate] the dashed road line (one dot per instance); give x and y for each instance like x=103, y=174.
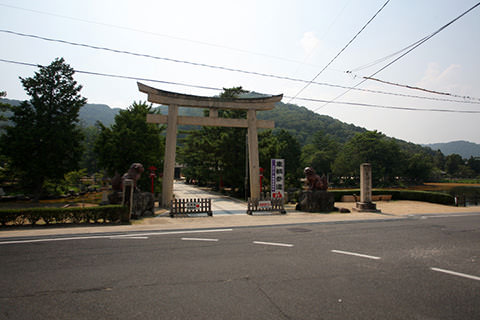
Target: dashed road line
x=458, y=274
x=199, y=239
x=274, y=244
x=128, y=237
x=145, y=234
x=356, y=254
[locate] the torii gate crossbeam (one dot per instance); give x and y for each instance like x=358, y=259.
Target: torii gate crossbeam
x=172, y=120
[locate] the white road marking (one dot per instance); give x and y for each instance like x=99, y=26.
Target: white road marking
x=110, y=236
x=456, y=274
x=199, y=239
x=356, y=254
x=274, y=244
x=451, y=215
x=127, y=237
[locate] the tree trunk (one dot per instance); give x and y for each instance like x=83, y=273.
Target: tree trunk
x=37, y=191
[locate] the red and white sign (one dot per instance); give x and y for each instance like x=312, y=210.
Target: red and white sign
x=277, y=178
x=265, y=205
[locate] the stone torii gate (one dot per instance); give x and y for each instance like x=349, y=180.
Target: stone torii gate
x=213, y=104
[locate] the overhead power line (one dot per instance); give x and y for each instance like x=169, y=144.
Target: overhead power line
x=204, y=43
x=340, y=52
x=120, y=76
x=418, y=43
x=421, y=89
x=219, y=89
x=389, y=107
x=225, y=68
x=371, y=64
x=144, y=55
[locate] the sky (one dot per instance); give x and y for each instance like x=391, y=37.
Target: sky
x=275, y=46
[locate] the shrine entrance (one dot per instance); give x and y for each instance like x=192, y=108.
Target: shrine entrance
x=213, y=104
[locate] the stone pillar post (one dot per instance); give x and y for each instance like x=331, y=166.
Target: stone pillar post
x=169, y=160
x=366, y=182
x=366, y=204
x=253, y=155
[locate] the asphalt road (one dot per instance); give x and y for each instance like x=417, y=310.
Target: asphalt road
x=418, y=268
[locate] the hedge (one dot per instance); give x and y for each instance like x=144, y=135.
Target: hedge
x=104, y=214
x=414, y=195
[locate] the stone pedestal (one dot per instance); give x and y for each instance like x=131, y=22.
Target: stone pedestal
x=316, y=201
x=366, y=204
x=143, y=203
x=366, y=207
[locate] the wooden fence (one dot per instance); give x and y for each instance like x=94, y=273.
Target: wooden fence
x=188, y=207
x=266, y=205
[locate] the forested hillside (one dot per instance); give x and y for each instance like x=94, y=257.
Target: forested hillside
x=91, y=113
x=303, y=123
x=464, y=148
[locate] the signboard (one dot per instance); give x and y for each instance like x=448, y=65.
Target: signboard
x=265, y=205
x=192, y=205
x=277, y=178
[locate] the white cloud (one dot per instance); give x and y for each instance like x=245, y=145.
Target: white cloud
x=448, y=79
x=309, y=42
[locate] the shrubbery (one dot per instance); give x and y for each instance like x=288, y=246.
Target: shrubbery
x=100, y=214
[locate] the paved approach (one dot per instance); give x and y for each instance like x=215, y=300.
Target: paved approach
x=221, y=204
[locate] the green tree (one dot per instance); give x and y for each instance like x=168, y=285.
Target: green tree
x=3, y=106
x=216, y=155
x=320, y=153
x=130, y=139
x=44, y=139
x=474, y=164
x=375, y=148
x=453, y=162
x=419, y=168
x=439, y=160
x=289, y=148
x=89, y=159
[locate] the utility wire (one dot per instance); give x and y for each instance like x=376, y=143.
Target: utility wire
x=154, y=34
x=149, y=56
x=227, y=69
x=219, y=89
x=418, y=43
x=371, y=64
x=343, y=49
x=119, y=76
x=421, y=89
x=307, y=57
x=388, y=107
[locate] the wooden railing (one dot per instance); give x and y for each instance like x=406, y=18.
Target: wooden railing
x=265, y=205
x=190, y=207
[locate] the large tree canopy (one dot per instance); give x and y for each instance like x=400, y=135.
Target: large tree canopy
x=372, y=147
x=43, y=141
x=130, y=139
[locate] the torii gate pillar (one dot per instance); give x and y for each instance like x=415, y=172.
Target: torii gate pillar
x=253, y=162
x=170, y=152
x=173, y=100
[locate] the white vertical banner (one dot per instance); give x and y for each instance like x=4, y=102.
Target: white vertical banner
x=277, y=178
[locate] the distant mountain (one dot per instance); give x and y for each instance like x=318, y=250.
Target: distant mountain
x=91, y=113
x=464, y=148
